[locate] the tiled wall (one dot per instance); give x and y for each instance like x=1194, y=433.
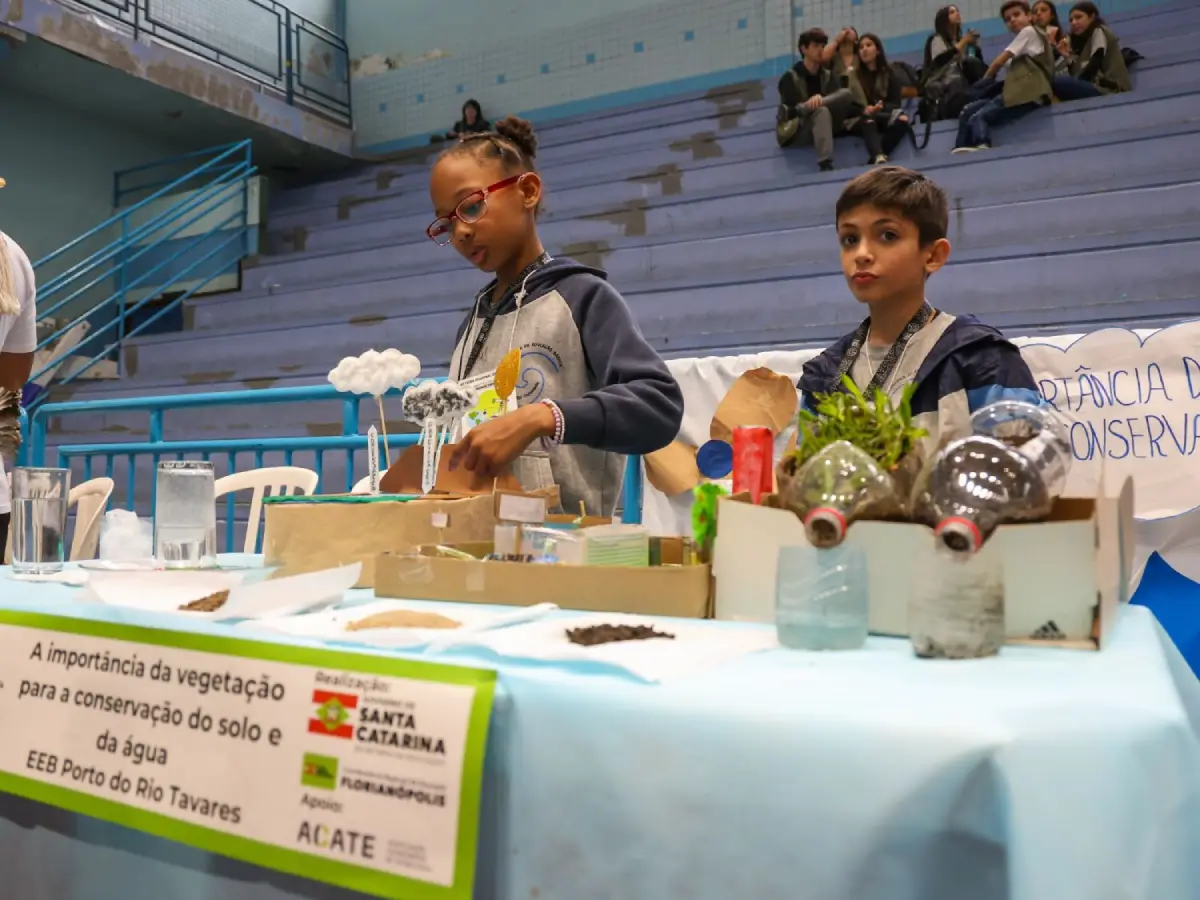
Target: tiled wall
x=512, y=56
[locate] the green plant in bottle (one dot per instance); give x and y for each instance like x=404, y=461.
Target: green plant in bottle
x=704, y=518
x=880, y=428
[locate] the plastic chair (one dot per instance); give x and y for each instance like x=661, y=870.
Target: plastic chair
x=89, y=500
x=283, y=481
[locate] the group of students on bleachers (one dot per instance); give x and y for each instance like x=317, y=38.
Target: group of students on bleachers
x=846, y=86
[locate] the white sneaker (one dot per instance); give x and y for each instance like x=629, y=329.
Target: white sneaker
x=964, y=149
x=880, y=160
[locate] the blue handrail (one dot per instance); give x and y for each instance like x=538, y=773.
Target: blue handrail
x=157, y=446
x=159, y=247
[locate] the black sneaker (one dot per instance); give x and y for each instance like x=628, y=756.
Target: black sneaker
x=826, y=165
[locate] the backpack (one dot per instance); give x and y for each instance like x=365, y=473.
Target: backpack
x=1130, y=56
x=943, y=97
x=906, y=76
x=787, y=120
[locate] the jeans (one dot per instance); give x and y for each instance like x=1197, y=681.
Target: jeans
x=981, y=116
x=1068, y=87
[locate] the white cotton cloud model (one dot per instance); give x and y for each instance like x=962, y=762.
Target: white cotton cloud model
x=375, y=373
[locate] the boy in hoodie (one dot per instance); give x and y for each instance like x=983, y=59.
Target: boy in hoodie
x=591, y=387
x=891, y=225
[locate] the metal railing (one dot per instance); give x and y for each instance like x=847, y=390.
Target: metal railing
x=266, y=42
x=157, y=446
x=182, y=234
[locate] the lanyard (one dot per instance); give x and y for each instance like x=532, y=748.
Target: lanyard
x=915, y=324
x=489, y=318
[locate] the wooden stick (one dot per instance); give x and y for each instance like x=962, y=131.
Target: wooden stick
x=387, y=453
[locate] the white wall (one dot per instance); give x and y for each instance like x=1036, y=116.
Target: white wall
x=59, y=165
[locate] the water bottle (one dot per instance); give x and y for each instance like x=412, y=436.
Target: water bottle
x=974, y=484
x=1035, y=432
x=837, y=486
x=821, y=597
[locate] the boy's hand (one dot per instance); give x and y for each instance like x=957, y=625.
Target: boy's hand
x=813, y=102
x=488, y=449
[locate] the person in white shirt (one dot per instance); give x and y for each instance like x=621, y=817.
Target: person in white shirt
x=18, y=339
x=1029, y=61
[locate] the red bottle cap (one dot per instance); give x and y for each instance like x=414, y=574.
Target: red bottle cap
x=825, y=527
x=959, y=535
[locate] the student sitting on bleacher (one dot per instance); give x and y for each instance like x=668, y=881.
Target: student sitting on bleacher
x=841, y=56
x=1045, y=17
x=813, y=103
x=1029, y=60
x=882, y=123
x=1094, y=55
x=948, y=45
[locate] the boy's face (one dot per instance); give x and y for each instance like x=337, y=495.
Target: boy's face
x=882, y=256
x=1016, y=18
x=811, y=53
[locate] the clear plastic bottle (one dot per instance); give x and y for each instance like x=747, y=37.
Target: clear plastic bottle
x=1036, y=432
x=973, y=485
x=821, y=600
x=956, y=606
x=837, y=486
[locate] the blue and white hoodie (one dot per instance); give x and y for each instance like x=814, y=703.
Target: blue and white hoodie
x=968, y=365
x=581, y=348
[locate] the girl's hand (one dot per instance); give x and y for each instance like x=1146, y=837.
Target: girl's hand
x=488, y=449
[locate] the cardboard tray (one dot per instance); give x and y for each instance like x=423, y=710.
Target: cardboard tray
x=682, y=591
x=1071, y=571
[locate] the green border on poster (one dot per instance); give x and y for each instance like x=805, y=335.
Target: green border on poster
x=294, y=862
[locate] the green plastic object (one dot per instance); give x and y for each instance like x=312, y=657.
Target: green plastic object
x=704, y=517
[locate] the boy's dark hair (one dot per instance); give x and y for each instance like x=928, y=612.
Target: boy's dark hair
x=512, y=141
x=812, y=36
x=1009, y=4
x=915, y=197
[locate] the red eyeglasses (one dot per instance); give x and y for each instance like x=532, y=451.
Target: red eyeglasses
x=470, y=210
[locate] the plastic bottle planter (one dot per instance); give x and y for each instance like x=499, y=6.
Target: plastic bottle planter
x=956, y=606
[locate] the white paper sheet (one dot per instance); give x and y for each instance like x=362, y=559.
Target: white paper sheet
x=696, y=646
x=167, y=591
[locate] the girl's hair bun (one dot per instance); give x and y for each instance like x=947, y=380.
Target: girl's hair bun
x=520, y=134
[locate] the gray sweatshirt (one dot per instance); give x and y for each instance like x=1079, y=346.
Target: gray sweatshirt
x=581, y=348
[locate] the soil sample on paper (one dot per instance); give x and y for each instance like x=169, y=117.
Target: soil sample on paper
x=594, y=635
x=211, y=603
x=402, y=618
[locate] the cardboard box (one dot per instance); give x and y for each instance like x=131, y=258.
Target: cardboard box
x=682, y=591
x=312, y=533
x=1072, y=570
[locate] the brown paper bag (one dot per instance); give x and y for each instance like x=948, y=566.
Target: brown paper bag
x=758, y=397
x=672, y=469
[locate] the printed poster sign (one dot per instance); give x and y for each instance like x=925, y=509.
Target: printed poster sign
x=360, y=771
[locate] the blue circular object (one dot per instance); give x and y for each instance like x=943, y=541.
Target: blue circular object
x=714, y=459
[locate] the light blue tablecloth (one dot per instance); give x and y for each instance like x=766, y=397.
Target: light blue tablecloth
x=1041, y=775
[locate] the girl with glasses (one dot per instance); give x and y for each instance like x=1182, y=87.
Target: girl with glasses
x=591, y=387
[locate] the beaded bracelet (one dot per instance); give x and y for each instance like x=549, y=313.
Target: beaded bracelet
x=560, y=427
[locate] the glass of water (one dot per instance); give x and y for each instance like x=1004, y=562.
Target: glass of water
x=39, y=520
x=185, y=515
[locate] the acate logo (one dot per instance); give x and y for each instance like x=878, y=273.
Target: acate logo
x=337, y=840
x=332, y=714
x=319, y=772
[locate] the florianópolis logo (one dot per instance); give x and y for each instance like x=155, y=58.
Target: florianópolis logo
x=332, y=714
x=319, y=772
